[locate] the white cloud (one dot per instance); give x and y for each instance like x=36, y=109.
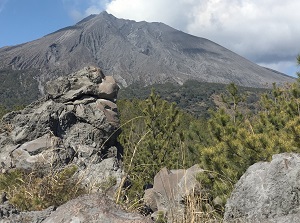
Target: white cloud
x=96, y=7
x=78, y=9
x=168, y=11
x=264, y=31
x=256, y=29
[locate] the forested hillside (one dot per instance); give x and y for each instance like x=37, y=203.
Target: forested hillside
x=194, y=97
x=18, y=87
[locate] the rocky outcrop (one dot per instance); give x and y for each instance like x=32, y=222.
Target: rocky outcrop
x=76, y=122
x=169, y=190
x=268, y=192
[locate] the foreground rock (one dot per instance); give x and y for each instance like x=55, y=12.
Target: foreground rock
x=169, y=190
x=11, y=215
x=94, y=208
x=268, y=192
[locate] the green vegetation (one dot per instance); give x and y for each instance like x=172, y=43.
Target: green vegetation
x=238, y=140
x=235, y=136
x=152, y=137
x=156, y=134
x=3, y=111
x=39, y=190
x=193, y=96
x=21, y=92
x=14, y=95
x=238, y=131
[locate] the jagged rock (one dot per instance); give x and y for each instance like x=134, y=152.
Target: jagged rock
x=76, y=122
x=15, y=216
x=169, y=190
x=268, y=192
x=7, y=210
x=94, y=85
x=108, y=88
x=93, y=208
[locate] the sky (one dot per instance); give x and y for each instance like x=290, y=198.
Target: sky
x=266, y=32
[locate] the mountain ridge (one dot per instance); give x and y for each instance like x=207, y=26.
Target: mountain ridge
x=132, y=52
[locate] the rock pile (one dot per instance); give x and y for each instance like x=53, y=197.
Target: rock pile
x=75, y=123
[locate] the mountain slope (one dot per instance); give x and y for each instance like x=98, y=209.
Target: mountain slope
x=135, y=52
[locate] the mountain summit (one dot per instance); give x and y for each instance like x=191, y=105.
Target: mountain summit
x=132, y=52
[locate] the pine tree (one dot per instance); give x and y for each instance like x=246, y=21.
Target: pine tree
x=239, y=141
x=153, y=141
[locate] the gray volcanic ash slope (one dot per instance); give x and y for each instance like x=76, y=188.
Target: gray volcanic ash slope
x=135, y=52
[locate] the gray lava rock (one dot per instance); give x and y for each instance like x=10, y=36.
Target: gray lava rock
x=75, y=123
x=15, y=216
x=93, y=208
x=169, y=190
x=267, y=192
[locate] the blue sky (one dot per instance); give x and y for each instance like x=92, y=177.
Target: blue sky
x=25, y=20
x=265, y=32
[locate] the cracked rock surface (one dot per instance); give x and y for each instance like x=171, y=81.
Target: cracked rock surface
x=268, y=192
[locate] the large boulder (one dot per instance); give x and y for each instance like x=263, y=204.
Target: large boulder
x=267, y=192
x=75, y=123
x=170, y=188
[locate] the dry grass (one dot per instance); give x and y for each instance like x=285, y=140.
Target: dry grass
x=37, y=190
x=198, y=209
